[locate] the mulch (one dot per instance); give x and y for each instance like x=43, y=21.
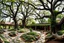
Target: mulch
x=53, y=41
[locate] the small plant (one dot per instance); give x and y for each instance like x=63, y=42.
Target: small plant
x=1, y=31
x=30, y=37
x=11, y=30
x=12, y=34
x=21, y=30
x=6, y=42
x=48, y=36
x=30, y=29
x=61, y=32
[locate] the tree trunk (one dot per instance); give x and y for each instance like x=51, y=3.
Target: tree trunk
x=53, y=24
x=15, y=23
x=58, y=27
x=23, y=23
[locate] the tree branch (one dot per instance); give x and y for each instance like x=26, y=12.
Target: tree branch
x=38, y=14
x=61, y=11
x=34, y=6
x=4, y=4
x=58, y=4
x=42, y=4
x=48, y=1
x=11, y=11
x=17, y=9
x=43, y=17
x=6, y=15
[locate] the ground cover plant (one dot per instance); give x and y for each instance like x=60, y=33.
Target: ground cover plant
x=30, y=37
x=12, y=34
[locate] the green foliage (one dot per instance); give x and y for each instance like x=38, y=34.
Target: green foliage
x=62, y=26
x=48, y=34
x=42, y=20
x=31, y=36
x=55, y=11
x=39, y=25
x=49, y=21
x=33, y=22
x=21, y=30
x=6, y=42
x=9, y=0
x=60, y=16
x=61, y=32
x=22, y=0
x=11, y=29
x=30, y=21
x=30, y=29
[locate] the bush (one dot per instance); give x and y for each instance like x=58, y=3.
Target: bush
x=30, y=29
x=21, y=30
x=11, y=30
x=31, y=36
x=61, y=32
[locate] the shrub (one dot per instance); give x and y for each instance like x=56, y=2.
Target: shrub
x=11, y=30
x=21, y=30
x=30, y=29
x=31, y=36
x=61, y=32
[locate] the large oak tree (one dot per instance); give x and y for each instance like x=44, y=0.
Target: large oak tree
x=51, y=6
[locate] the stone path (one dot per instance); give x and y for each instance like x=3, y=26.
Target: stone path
x=17, y=39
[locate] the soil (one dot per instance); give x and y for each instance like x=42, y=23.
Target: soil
x=12, y=35
x=53, y=41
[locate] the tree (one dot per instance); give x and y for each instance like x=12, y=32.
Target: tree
x=51, y=6
x=10, y=7
x=26, y=11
